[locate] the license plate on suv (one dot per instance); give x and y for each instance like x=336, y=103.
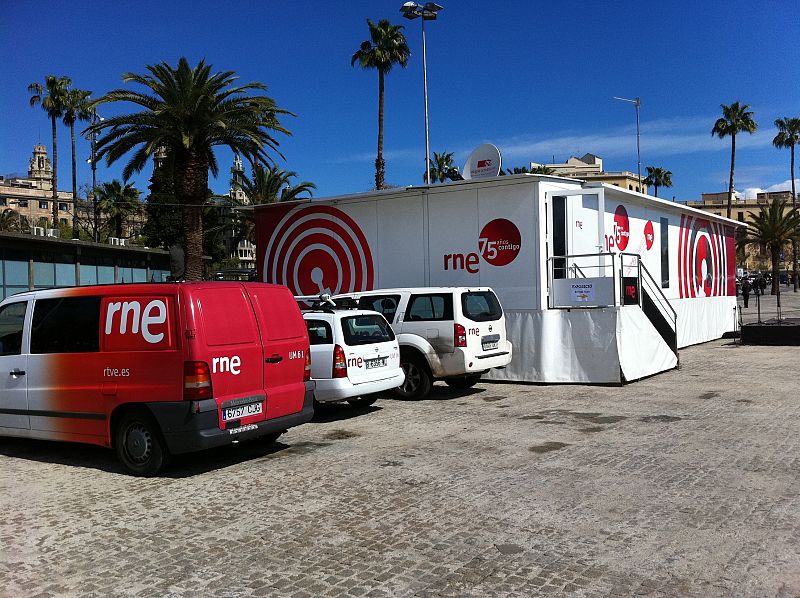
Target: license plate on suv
x=490, y=341
x=375, y=363
x=242, y=411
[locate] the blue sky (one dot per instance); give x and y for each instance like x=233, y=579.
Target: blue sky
x=535, y=79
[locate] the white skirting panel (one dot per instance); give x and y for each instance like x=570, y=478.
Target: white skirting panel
x=703, y=319
x=578, y=346
x=642, y=351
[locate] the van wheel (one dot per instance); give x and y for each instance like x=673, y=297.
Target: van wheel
x=362, y=401
x=418, y=381
x=139, y=446
x=464, y=382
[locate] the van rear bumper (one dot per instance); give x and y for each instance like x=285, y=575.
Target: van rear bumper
x=186, y=431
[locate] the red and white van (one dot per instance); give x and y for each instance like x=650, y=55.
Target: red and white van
x=154, y=369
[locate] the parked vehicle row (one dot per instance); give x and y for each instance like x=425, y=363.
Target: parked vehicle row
x=154, y=370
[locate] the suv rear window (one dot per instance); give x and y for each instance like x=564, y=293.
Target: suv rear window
x=433, y=307
x=481, y=306
x=365, y=330
x=386, y=305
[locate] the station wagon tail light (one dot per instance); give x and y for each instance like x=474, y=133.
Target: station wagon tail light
x=307, y=369
x=339, y=362
x=196, y=381
x=459, y=335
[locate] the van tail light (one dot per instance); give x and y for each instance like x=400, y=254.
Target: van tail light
x=339, y=363
x=196, y=381
x=459, y=335
x=307, y=368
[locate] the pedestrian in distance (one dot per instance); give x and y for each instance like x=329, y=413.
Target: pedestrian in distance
x=756, y=286
x=746, y=288
x=762, y=283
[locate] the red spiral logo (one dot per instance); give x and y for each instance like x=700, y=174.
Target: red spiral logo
x=317, y=250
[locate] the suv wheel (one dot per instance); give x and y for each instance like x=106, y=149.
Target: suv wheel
x=418, y=381
x=463, y=382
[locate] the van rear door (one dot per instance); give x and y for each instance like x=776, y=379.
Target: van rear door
x=231, y=347
x=285, y=341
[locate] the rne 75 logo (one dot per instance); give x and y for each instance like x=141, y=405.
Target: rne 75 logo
x=136, y=323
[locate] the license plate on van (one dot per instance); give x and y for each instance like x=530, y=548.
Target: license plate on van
x=490, y=341
x=375, y=363
x=242, y=411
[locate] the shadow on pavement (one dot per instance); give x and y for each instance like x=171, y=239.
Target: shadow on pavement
x=335, y=412
x=180, y=466
x=439, y=392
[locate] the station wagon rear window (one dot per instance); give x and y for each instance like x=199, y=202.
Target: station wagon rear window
x=319, y=332
x=366, y=330
x=481, y=306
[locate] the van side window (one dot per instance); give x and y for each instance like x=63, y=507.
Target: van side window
x=66, y=325
x=437, y=306
x=386, y=305
x=12, y=320
x=319, y=332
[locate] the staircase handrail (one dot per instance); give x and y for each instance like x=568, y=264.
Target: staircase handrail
x=662, y=297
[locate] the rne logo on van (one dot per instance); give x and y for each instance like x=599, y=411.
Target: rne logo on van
x=136, y=323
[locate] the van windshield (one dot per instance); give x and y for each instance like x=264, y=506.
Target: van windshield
x=481, y=306
x=365, y=330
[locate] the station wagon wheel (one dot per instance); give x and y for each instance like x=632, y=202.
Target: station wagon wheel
x=363, y=401
x=138, y=443
x=418, y=382
x=463, y=382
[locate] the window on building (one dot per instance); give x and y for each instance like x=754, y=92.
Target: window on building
x=630, y=187
x=62, y=220
x=43, y=205
x=23, y=203
x=63, y=206
x=740, y=216
x=2, y=201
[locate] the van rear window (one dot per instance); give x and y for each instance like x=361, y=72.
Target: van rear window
x=66, y=325
x=365, y=330
x=481, y=306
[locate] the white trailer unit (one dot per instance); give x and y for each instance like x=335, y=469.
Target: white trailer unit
x=587, y=299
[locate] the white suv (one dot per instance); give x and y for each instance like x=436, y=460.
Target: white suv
x=354, y=354
x=454, y=334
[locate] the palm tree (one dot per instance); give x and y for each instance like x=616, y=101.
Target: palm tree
x=76, y=107
x=440, y=166
x=658, y=177
x=13, y=221
x=269, y=184
x=542, y=169
x=118, y=201
x=735, y=119
x=774, y=227
x=188, y=111
x=52, y=96
x=788, y=136
x=386, y=47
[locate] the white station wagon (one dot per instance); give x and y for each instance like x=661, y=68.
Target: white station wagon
x=354, y=355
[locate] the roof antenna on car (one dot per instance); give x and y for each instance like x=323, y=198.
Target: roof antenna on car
x=325, y=299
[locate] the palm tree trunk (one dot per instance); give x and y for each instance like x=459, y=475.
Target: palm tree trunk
x=191, y=189
x=776, y=286
x=380, y=166
x=55, y=173
x=730, y=182
x=655, y=190
x=74, y=187
x=794, y=243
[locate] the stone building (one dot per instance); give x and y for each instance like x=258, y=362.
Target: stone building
x=590, y=168
x=32, y=197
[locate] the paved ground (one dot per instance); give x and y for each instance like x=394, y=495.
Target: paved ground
x=685, y=484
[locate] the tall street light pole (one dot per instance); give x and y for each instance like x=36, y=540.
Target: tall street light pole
x=93, y=162
x=412, y=10
x=636, y=102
